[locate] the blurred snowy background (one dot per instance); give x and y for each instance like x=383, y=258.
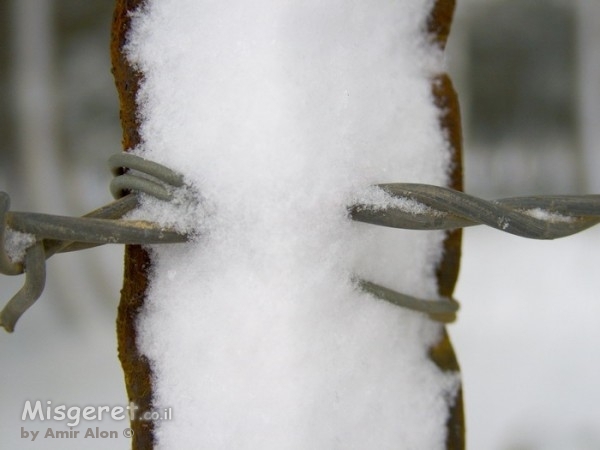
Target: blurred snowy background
x=528, y=335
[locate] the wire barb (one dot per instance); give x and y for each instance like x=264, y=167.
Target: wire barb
x=35, y=280
x=124, y=182
x=441, y=310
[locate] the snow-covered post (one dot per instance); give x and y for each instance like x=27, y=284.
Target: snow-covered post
x=281, y=115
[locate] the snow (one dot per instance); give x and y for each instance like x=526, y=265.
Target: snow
x=185, y=213
x=279, y=114
x=16, y=243
x=542, y=214
x=376, y=199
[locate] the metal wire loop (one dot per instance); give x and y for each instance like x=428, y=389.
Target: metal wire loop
x=123, y=182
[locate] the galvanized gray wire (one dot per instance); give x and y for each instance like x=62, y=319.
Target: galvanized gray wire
x=135, y=179
x=443, y=309
x=537, y=217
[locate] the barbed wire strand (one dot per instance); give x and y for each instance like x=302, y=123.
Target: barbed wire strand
x=57, y=234
x=439, y=208
x=536, y=217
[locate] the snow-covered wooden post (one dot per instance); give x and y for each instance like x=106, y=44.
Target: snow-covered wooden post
x=295, y=356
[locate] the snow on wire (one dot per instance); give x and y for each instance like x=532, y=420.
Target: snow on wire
x=410, y=206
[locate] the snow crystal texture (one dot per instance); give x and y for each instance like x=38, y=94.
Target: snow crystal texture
x=280, y=114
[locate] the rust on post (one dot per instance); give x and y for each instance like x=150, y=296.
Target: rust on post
x=440, y=21
x=136, y=367
x=446, y=100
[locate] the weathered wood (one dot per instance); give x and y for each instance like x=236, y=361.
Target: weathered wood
x=138, y=379
x=439, y=24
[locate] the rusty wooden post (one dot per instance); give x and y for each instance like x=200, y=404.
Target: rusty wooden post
x=137, y=262
x=442, y=354
x=136, y=367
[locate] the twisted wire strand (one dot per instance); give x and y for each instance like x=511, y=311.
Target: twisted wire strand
x=539, y=217
x=536, y=217
x=90, y=230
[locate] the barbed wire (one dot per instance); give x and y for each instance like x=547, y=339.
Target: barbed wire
x=411, y=206
x=58, y=234
x=439, y=208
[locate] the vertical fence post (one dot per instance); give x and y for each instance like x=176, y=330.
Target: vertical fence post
x=137, y=261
